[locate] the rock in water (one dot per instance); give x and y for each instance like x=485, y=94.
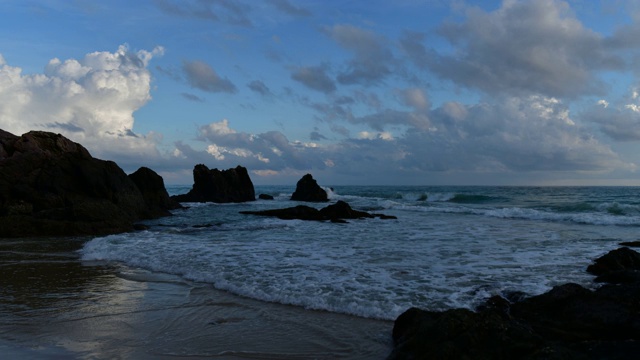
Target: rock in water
x=337, y=212
x=227, y=186
x=155, y=195
x=307, y=189
x=52, y=186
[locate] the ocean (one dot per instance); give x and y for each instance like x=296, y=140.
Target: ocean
x=211, y=282
x=450, y=246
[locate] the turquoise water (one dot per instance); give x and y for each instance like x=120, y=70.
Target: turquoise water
x=450, y=246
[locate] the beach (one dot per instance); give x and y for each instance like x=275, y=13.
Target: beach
x=212, y=282
x=53, y=305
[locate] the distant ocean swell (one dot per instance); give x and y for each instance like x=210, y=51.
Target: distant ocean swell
x=609, y=215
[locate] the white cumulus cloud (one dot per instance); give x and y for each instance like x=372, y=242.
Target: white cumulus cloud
x=90, y=100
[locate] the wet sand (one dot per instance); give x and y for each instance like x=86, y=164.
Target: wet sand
x=53, y=306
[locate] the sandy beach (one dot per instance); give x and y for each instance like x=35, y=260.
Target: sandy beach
x=54, y=306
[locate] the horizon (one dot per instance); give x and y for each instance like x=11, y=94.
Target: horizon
x=409, y=93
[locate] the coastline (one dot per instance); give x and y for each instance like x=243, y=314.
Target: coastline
x=55, y=306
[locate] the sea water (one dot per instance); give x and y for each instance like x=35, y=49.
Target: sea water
x=449, y=247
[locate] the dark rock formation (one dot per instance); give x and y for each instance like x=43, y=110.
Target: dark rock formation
x=307, y=189
x=621, y=259
x=631, y=243
x=52, y=186
x=461, y=334
x=265, y=197
x=300, y=212
x=336, y=212
x=226, y=186
x=154, y=193
x=568, y=322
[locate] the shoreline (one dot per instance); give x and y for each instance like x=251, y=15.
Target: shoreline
x=56, y=306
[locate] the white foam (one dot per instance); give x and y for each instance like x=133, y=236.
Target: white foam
x=440, y=197
x=331, y=194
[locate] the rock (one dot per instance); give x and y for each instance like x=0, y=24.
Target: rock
x=307, y=189
x=616, y=260
x=461, y=334
x=154, y=193
x=619, y=277
x=567, y=322
x=265, y=197
x=631, y=243
x=52, y=186
x=334, y=213
x=140, y=227
x=342, y=210
x=300, y=212
x=226, y=186
x=6, y=141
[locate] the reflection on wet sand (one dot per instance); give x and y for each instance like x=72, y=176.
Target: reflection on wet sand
x=52, y=305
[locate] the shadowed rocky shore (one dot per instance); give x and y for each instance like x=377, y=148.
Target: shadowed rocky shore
x=568, y=322
x=52, y=186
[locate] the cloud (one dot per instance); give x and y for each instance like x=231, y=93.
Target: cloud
x=518, y=134
x=380, y=120
x=314, y=77
x=367, y=108
x=416, y=98
x=524, y=47
x=91, y=100
x=232, y=12
x=372, y=59
x=202, y=76
x=259, y=87
x=289, y=9
x=192, y=97
x=316, y=136
x=621, y=123
x=265, y=151
x=512, y=135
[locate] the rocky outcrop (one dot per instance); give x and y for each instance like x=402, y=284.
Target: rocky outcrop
x=265, y=197
x=631, y=243
x=568, y=322
x=337, y=212
x=154, y=193
x=52, y=186
x=622, y=259
x=307, y=189
x=226, y=186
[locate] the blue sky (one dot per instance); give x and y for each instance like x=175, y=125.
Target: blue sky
x=513, y=92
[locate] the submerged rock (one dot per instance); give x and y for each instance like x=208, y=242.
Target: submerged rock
x=336, y=213
x=307, y=189
x=226, y=186
x=265, y=197
x=567, y=322
x=52, y=186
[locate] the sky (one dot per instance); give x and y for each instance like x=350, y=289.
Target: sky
x=376, y=92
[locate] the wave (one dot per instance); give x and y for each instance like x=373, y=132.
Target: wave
x=444, y=197
x=471, y=199
x=611, y=208
x=575, y=207
x=589, y=218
